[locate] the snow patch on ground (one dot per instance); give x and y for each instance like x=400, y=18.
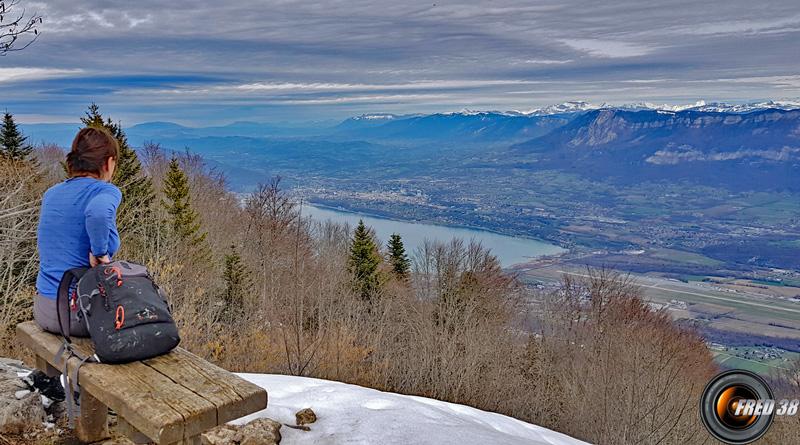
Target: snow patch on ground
x=350, y=414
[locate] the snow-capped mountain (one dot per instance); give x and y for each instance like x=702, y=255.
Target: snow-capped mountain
x=370, y=120
x=515, y=126
x=565, y=107
x=562, y=108
x=376, y=117
x=716, y=107
x=463, y=125
x=356, y=415
x=700, y=105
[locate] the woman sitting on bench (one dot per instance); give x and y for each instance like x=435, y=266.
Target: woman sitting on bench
x=77, y=222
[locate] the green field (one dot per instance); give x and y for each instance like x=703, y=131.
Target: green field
x=679, y=256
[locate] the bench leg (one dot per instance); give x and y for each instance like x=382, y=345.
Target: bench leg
x=93, y=421
x=126, y=429
x=47, y=368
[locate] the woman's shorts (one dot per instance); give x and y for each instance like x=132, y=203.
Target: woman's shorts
x=46, y=315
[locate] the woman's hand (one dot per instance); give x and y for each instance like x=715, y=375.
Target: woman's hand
x=94, y=261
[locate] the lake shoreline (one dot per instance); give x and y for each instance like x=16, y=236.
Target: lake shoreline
x=431, y=223
x=510, y=250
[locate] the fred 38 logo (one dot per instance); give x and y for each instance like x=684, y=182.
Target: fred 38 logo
x=737, y=407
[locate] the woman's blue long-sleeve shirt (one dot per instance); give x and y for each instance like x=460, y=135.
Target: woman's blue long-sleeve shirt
x=78, y=215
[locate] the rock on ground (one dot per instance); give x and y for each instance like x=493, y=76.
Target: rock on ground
x=261, y=431
x=11, y=364
x=222, y=435
x=305, y=416
x=20, y=409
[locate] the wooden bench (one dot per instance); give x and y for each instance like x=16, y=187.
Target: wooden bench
x=170, y=399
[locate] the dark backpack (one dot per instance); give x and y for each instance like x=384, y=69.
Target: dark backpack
x=125, y=312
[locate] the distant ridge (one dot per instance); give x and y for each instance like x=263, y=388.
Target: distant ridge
x=509, y=127
x=158, y=125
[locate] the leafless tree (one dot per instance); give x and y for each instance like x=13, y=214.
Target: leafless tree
x=621, y=372
x=20, y=190
x=18, y=29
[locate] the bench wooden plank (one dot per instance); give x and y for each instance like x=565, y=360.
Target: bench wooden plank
x=233, y=396
x=171, y=398
x=155, y=418
x=197, y=413
x=155, y=405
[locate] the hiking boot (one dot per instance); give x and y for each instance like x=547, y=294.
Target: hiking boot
x=49, y=387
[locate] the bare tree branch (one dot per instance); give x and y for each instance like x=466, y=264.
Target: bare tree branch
x=18, y=30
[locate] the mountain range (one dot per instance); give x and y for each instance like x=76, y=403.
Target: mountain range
x=758, y=149
x=752, y=146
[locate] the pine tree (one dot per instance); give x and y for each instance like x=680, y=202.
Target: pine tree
x=137, y=188
x=185, y=222
x=364, y=262
x=13, y=145
x=236, y=283
x=93, y=117
x=398, y=258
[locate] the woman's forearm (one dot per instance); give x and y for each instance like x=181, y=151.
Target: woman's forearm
x=100, y=221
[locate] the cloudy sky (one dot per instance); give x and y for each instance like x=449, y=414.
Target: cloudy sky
x=215, y=62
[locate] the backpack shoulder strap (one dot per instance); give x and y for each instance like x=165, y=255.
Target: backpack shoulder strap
x=62, y=299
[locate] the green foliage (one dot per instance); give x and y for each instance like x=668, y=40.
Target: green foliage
x=13, y=145
x=364, y=263
x=398, y=259
x=236, y=284
x=184, y=221
x=137, y=188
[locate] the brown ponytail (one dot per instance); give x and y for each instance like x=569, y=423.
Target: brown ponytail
x=90, y=150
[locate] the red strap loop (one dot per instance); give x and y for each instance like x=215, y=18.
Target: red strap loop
x=119, y=318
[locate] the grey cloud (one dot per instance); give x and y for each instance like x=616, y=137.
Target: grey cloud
x=502, y=54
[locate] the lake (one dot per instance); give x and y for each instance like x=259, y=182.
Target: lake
x=508, y=249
